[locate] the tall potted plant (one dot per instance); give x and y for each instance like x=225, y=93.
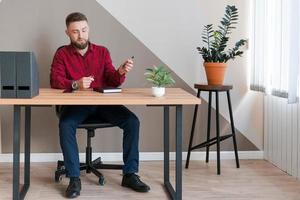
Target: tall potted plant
x=214, y=53
x=160, y=77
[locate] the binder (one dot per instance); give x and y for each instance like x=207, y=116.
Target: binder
x=27, y=75
x=8, y=74
x=19, y=75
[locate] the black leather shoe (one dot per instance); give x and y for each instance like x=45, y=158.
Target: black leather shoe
x=74, y=188
x=133, y=181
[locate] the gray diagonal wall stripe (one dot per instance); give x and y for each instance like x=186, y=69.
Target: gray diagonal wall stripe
x=39, y=26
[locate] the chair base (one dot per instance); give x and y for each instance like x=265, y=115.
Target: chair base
x=88, y=167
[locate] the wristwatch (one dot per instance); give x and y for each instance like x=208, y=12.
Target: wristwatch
x=75, y=85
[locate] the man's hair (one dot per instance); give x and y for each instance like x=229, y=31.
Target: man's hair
x=75, y=17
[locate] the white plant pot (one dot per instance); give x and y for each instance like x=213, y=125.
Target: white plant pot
x=158, y=91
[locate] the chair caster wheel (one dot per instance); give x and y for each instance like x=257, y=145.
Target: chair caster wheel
x=58, y=176
x=60, y=166
x=101, y=180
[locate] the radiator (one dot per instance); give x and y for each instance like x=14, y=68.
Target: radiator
x=281, y=134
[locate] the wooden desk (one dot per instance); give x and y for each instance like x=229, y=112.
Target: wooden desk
x=133, y=96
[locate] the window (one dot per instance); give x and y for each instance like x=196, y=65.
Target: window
x=276, y=52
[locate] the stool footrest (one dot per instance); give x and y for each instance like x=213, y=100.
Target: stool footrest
x=211, y=142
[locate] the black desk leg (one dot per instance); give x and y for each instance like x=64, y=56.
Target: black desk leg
x=166, y=145
x=192, y=133
x=208, y=126
x=178, y=152
x=233, y=131
x=177, y=195
x=17, y=194
x=27, y=146
x=218, y=133
x=16, y=153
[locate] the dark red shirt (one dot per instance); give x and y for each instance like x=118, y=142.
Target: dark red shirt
x=69, y=65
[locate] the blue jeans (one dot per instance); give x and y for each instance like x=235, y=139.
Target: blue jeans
x=72, y=116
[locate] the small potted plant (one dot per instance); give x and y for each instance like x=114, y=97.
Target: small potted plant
x=160, y=77
x=214, y=53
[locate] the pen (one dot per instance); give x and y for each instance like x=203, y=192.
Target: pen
x=132, y=57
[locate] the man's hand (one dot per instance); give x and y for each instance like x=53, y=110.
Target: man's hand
x=126, y=67
x=85, y=82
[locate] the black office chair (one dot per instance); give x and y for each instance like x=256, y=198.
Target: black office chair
x=89, y=165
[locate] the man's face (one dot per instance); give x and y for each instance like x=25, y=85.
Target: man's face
x=78, y=33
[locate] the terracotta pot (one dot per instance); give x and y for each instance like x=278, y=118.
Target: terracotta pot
x=215, y=72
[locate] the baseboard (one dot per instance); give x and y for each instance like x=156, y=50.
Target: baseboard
x=144, y=156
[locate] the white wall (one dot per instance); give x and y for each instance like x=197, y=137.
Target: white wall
x=43, y=32
x=172, y=29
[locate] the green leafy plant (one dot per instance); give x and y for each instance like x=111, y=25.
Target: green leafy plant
x=159, y=76
x=216, y=40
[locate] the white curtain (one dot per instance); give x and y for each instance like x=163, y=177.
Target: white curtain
x=276, y=52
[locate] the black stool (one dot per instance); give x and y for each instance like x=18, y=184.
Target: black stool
x=218, y=138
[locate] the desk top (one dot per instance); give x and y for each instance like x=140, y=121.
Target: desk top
x=128, y=96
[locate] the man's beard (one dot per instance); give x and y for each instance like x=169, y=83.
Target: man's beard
x=80, y=45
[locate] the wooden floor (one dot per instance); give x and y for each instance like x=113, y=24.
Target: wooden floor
x=256, y=179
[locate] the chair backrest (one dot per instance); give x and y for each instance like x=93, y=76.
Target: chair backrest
x=58, y=110
x=87, y=124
